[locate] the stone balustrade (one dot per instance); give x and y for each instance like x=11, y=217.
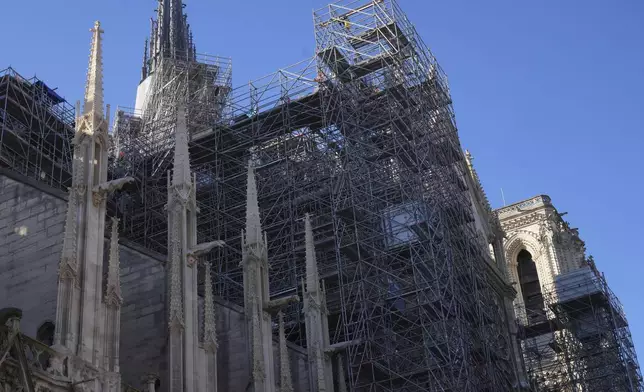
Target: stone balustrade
x=518, y=207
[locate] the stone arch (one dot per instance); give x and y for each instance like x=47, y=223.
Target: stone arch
x=45, y=332
x=522, y=239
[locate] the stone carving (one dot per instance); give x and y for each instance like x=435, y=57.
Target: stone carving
x=68, y=263
x=209, y=328
x=150, y=382
x=176, y=297
x=286, y=381
x=522, y=221
x=201, y=249
x=479, y=191
x=57, y=364
x=83, y=375
x=276, y=305
x=517, y=207
x=113, y=288
x=522, y=239
x=101, y=191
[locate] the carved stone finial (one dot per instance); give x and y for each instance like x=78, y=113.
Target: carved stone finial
x=93, y=101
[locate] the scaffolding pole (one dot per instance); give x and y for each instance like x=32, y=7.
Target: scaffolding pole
x=36, y=130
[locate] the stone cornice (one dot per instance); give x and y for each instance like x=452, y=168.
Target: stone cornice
x=522, y=220
x=522, y=206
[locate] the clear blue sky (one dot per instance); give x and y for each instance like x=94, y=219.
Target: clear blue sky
x=548, y=94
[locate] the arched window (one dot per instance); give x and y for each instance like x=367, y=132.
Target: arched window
x=45, y=333
x=531, y=288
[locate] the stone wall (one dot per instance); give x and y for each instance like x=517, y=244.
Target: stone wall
x=32, y=218
x=232, y=356
x=31, y=239
x=143, y=318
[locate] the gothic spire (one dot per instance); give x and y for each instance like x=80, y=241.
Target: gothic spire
x=159, y=29
x=144, y=68
x=113, y=271
x=170, y=33
x=253, y=224
x=286, y=383
x=181, y=171
x=312, y=277
x=175, y=26
x=93, y=102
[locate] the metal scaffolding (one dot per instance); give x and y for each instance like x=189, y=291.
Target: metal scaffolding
x=585, y=344
x=36, y=129
x=143, y=140
x=412, y=286
x=362, y=137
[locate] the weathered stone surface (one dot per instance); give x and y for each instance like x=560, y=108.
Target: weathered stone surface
x=232, y=355
x=143, y=326
x=30, y=246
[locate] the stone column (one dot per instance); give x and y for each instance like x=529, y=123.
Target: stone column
x=150, y=382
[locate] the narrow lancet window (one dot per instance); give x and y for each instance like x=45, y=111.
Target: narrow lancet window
x=531, y=288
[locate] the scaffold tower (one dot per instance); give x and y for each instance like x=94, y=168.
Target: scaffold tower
x=36, y=130
x=410, y=268
x=584, y=344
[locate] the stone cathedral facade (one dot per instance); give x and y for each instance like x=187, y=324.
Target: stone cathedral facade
x=82, y=309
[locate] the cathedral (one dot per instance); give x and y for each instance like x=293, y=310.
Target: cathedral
x=318, y=230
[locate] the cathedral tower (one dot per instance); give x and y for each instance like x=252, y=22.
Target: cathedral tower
x=539, y=246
